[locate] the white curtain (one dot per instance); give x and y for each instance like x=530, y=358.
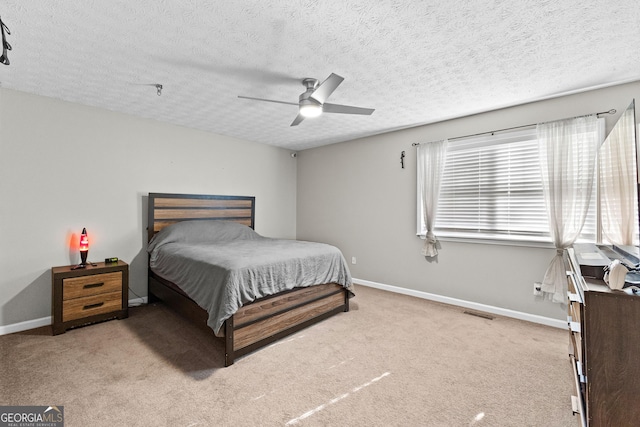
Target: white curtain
x=431, y=158
x=617, y=161
x=567, y=161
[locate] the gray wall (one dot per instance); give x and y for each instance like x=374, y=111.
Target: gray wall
x=65, y=166
x=356, y=196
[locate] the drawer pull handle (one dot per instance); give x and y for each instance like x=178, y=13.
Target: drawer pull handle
x=93, y=285
x=90, y=306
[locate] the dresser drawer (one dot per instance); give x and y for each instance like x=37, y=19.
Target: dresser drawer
x=576, y=342
x=78, y=308
x=574, y=346
x=95, y=284
x=574, y=309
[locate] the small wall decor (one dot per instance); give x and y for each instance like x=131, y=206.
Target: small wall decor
x=402, y=159
x=5, y=44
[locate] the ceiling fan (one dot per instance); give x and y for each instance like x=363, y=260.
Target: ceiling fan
x=312, y=103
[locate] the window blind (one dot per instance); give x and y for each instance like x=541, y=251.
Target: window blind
x=491, y=189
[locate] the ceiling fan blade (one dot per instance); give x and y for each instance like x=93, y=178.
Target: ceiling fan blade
x=299, y=118
x=268, y=100
x=346, y=109
x=326, y=88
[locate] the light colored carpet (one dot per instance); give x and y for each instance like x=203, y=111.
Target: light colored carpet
x=393, y=360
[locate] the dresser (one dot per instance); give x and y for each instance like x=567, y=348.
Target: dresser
x=604, y=349
x=88, y=295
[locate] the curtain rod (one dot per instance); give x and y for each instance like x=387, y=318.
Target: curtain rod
x=415, y=144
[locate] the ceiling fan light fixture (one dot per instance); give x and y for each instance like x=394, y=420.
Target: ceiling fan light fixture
x=310, y=109
x=312, y=102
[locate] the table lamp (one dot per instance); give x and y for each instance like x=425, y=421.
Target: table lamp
x=84, y=248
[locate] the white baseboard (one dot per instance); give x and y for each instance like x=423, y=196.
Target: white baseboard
x=138, y=301
x=25, y=326
x=46, y=321
x=556, y=323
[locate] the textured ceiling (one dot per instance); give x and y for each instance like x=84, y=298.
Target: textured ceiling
x=415, y=62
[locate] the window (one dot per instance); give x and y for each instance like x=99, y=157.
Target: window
x=491, y=189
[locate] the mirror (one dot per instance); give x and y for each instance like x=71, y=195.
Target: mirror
x=619, y=182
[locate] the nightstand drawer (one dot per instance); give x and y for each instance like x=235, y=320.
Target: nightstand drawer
x=96, y=292
x=78, y=287
x=88, y=306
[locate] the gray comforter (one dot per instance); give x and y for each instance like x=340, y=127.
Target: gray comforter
x=223, y=265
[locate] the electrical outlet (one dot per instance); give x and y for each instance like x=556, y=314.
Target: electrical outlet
x=537, y=289
x=353, y=260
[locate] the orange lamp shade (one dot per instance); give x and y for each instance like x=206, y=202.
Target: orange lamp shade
x=84, y=246
x=84, y=240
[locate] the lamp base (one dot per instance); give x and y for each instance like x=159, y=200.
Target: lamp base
x=84, y=265
x=83, y=257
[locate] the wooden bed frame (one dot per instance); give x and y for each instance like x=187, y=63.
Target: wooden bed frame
x=256, y=324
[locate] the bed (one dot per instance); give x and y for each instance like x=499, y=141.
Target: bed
x=266, y=296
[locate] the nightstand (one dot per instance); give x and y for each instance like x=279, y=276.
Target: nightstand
x=88, y=295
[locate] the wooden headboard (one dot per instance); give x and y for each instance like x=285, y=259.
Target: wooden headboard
x=166, y=209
